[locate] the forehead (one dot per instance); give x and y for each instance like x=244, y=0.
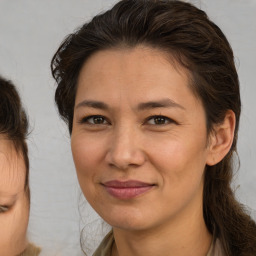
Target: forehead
x=140, y=61
x=134, y=74
x=12, y=169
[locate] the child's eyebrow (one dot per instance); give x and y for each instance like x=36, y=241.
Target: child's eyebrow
x=4, y=195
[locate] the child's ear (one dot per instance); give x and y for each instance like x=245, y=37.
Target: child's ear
x=221, y=139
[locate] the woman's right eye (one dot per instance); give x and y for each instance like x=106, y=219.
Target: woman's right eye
x=94, y=120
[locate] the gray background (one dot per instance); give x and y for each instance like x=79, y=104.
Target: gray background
x=30, y=32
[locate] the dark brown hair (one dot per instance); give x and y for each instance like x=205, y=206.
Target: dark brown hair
x=187, y=35
x=13, y=121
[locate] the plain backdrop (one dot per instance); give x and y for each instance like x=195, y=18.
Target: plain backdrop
x=30, y=32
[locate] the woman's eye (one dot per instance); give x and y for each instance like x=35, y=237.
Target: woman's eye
x=97, y=119
x=159, y=120
x=3, y=208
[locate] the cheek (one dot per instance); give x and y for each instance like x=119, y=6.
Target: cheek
x=87, y=154
x=181, y=167
x=180, y=161
x=14, y=228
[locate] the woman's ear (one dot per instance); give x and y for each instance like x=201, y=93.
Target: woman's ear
x=221, y=139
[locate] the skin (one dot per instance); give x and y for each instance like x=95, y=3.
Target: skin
x=14, y=218
x=128, y=144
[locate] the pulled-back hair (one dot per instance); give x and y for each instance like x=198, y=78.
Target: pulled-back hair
x=187, y=35
x=13, y=121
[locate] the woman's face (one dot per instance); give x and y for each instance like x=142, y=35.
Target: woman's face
x=14, y=204
x=139, y=139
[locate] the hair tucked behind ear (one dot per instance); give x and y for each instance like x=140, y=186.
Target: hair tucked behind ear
x=187, y=35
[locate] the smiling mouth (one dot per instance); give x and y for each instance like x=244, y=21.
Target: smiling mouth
x=127, y=189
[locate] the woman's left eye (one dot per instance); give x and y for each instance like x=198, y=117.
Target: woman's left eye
x=159, y=120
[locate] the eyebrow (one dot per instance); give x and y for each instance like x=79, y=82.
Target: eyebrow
x=92, y=104
x=163, y=103
x=5, y=195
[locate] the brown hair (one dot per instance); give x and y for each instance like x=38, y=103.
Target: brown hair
x=195, y=42
x=13, y=121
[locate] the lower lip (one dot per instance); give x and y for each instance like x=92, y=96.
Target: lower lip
x=127, y=193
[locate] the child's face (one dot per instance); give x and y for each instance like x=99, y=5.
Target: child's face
x=14, y=202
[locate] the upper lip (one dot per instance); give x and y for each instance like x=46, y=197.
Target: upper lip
x=126, y=184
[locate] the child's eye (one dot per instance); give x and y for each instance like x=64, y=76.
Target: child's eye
x=94, y=120
x=3, y=208
x=159, y=120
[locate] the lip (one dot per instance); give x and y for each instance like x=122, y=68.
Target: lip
x=127, y=189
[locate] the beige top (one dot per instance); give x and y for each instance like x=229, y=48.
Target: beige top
x=31, y=250
x=106, y=246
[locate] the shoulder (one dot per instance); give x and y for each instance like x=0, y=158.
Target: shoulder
x=105, y=247
x=31, y=250
x=216, y=249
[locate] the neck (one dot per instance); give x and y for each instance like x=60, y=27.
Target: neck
x=180, y=237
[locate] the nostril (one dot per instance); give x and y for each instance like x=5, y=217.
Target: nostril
x=124, y=150
x=126, y=160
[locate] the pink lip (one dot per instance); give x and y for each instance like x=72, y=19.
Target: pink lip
x=127, y=189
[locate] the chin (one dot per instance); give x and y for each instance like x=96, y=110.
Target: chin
x=127, y=219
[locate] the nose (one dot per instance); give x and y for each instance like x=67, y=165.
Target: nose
x=125, y=149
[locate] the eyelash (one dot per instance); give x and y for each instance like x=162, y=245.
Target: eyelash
x=166, y=120
x=86, y=119
x=161, y=118
x=4, y=208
